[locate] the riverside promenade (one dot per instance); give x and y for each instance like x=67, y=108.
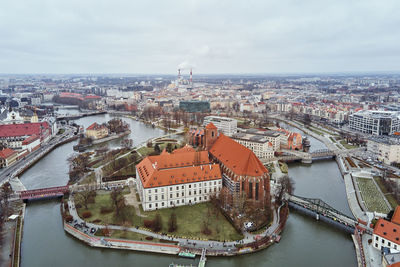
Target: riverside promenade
x=214, y=248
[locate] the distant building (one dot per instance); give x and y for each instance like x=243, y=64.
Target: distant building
x=181, y=178
x=290, y=140
x=195, y=106
x=375, y=122
x=8, y=157
x=227, y=126
x=96, y=131
x=13, y=135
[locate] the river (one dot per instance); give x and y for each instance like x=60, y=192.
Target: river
x=305, y=242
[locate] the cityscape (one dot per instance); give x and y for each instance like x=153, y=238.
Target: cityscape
x=212, y=152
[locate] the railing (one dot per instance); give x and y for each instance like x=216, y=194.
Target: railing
x=44, y=192
x=360, y=247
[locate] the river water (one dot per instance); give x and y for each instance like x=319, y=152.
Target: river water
x=305, y=242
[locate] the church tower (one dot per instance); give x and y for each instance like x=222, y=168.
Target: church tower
x=211, y=135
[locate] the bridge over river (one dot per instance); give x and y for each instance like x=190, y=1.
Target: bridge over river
x=306, y=157
x=322, y=211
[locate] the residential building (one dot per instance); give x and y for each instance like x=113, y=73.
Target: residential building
x=227, y=126
x=7, y=157
x=386, y=149
x=96, y=131
x=375, y=122
x=181, y=178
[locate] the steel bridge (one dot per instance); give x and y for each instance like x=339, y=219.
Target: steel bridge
x=320, y=210
x=49, y=192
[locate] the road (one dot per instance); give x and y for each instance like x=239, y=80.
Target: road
x=16, y=168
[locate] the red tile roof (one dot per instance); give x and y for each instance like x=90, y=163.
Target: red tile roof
x=170, y=169
x=95, y=126
x=238, y=158
x=186, y=148
x=396, y=216
x=6, y=153
x=211, y=126
x=30, y=139
x=22, y=129
x=387, y=230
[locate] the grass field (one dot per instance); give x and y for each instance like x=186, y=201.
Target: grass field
x=371, y=195
x=346, y=145
x=189, y=219
x=388, y=195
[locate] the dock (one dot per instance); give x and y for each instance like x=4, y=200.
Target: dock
x=203, y=259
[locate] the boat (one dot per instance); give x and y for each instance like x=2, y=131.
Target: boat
x=277, y=239
x=187, y=254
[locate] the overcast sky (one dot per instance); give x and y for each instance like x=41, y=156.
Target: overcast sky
x=279, y=36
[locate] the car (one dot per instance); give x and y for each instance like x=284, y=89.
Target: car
x=93, y=230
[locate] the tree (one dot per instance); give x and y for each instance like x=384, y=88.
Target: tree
x=169, y=148
x=157, y=149
x=85, y=197
x=307, y=119
x=172, y=223
x=157, y=223
x=118, y=201
x=285, y=186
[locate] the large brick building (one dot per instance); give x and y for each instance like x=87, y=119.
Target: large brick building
x=242, y=171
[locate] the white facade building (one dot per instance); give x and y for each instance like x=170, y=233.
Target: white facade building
x=177, y=179
x=227, y=126
x=386, y=149
x=375, y=122
x=257, y=143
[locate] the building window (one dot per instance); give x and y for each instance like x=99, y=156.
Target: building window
x=376, y=238
x=171, y=202
x=190, y=186
x=149, y=198
x=162, y=197
x=150, y=206
x=199, y=198
x=183, y=200
x=162, y=204
x=155, y=190
x=156, y=198
x=178, y=201
x=383, y=241
x=183, y=193
x=156, y=205
x=177, y=194
x=183, y=187
x=195, y=192
x=190, y=193
x=170, y=195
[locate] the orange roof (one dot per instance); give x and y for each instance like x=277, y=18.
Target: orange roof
x=238, y=158
x=396, y=216
x=387, y=230
x=396, y=264
x=7, y=152
x=211, y=126
x=186, y=148
x=95, y=126
x=184, y=167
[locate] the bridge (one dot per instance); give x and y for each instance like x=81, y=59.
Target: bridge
x=305, y=157
x=78, y=116
x=320, y=210
x=50, y=192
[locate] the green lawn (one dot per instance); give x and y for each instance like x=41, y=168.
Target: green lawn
x=389, y=196
x=346, y=145
x=189, y=219
x=372, y=197
x=284, y=167
x=91, y=178
x=144, y=151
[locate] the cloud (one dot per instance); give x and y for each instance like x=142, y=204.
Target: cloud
x=99, y=36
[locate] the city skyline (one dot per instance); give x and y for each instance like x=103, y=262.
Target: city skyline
x=212, y=38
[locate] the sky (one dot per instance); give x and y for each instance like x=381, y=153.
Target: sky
x=212, y=37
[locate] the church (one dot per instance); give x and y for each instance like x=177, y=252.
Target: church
x=188, y=177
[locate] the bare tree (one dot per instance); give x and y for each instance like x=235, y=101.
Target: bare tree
x=285, y=186
x=85, y=197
